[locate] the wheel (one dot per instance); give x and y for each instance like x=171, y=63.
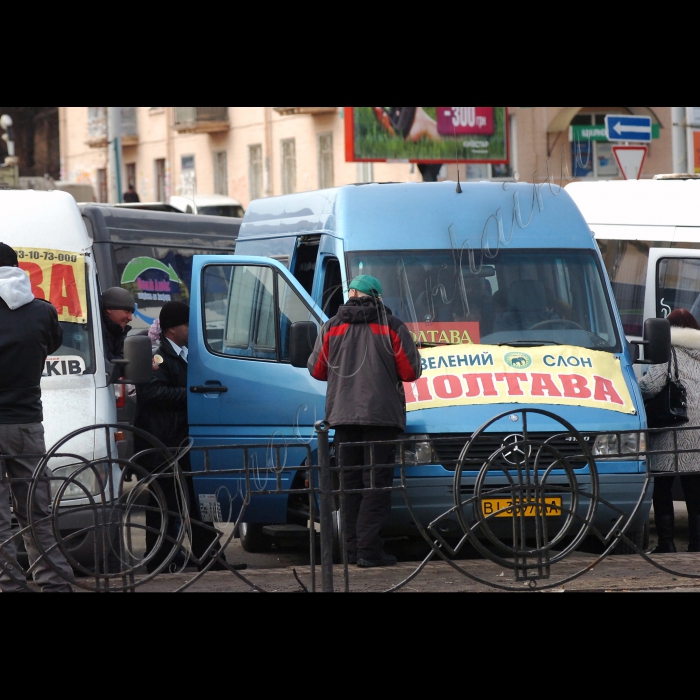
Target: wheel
x=253, y=539
x=640, y=538
x=555, y=323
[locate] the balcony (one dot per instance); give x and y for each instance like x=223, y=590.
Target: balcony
x=201, y=120
x=305, y=110
x=130, y=135
x=98, y=130
x=97, y=127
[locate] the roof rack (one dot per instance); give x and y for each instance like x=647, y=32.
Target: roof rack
x=677, y=176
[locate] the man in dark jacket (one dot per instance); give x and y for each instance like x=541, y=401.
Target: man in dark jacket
x=29, y=331
x=162, y=411
x=117, y=312
x=365, y=353
x=131, y=195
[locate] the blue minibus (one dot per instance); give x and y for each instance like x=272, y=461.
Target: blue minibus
x=504, y=290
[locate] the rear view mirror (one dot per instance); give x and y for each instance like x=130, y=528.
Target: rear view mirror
x=302, y=338
x=657, y=341
x=137, y=359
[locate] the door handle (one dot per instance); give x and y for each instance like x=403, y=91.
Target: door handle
x=209, y=389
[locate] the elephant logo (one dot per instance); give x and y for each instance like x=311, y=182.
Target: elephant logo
x=518, y=360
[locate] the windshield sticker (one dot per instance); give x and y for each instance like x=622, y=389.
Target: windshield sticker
x=491, y=374
x=59, y=366
x=454, y=333
x=59, y=277
x=152, y=283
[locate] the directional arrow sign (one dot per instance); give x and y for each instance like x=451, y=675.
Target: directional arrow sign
x=621, y=127
x=630, y=159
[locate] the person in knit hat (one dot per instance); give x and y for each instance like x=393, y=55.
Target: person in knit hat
x=162, y=411
x=365, y=353
x=118, y=308
x=29, y=331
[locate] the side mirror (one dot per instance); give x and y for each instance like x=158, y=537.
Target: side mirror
x=137, y=359
x=633, y=349
x=657, y=341
x=302, y=338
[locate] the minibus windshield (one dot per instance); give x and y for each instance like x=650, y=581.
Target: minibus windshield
x=515, y=297
x=77, y=344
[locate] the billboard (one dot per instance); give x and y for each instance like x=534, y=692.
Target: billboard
x=426, y=134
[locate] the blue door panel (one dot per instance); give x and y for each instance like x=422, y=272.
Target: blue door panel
x=266, y=403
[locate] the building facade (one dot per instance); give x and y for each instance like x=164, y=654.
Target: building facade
x=252, y=152
x=36, y=139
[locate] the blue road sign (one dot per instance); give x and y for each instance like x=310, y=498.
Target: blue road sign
x=623, y=127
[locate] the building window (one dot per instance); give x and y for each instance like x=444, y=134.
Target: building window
x=255, y=171
x=325, y=160
x=591, y=158
x=97, y=125
x=160, y=193
x=188, y=178
x=102, y=194
x=220, y=173
x=130, y=174
x=289, y=166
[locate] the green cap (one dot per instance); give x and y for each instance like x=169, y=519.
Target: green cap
x=368, y=285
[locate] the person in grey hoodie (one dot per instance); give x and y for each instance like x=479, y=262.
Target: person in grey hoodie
x=29, y=331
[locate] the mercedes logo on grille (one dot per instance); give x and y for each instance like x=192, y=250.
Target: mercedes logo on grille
x=514, y=451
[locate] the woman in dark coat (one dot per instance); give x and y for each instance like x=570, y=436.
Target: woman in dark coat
x=685, y=339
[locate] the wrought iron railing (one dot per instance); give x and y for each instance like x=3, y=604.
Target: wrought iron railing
x=531, y=504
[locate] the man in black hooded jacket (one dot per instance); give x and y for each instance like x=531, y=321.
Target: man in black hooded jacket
x=365, y=353
x=29, y=331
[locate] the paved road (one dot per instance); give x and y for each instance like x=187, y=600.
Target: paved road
x=286, y=568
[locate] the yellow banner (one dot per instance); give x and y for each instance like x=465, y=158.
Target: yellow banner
x=490, y=374
x=59, y=277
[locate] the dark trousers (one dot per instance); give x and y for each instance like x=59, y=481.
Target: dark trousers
x=174, y=492
x=663, y=498
x=366, y=513
x=51, y=571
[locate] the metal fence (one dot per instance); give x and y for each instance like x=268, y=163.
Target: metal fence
x=524, y=501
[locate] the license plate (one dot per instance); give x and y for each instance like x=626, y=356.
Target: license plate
x=549, y=507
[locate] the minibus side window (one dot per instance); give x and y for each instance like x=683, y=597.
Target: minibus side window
x=292, y=309
x=304, y=265
x=678, y=286
x=245, y=316
x=154, y=275
x=332, y=288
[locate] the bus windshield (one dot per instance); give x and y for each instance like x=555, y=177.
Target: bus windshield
x=77, y=345
x=515, y=297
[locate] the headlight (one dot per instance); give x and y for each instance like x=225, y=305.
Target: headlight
x=618, y=444
x=418, y=452
x=82, y=484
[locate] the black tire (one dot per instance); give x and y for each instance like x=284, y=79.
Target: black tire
x=640, y=538
x=253, y=539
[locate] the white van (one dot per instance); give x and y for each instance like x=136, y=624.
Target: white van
x=209, y=204
x=648, y=232
x=53, y=247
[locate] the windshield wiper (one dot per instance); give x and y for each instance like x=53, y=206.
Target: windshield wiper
x=529, y=343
